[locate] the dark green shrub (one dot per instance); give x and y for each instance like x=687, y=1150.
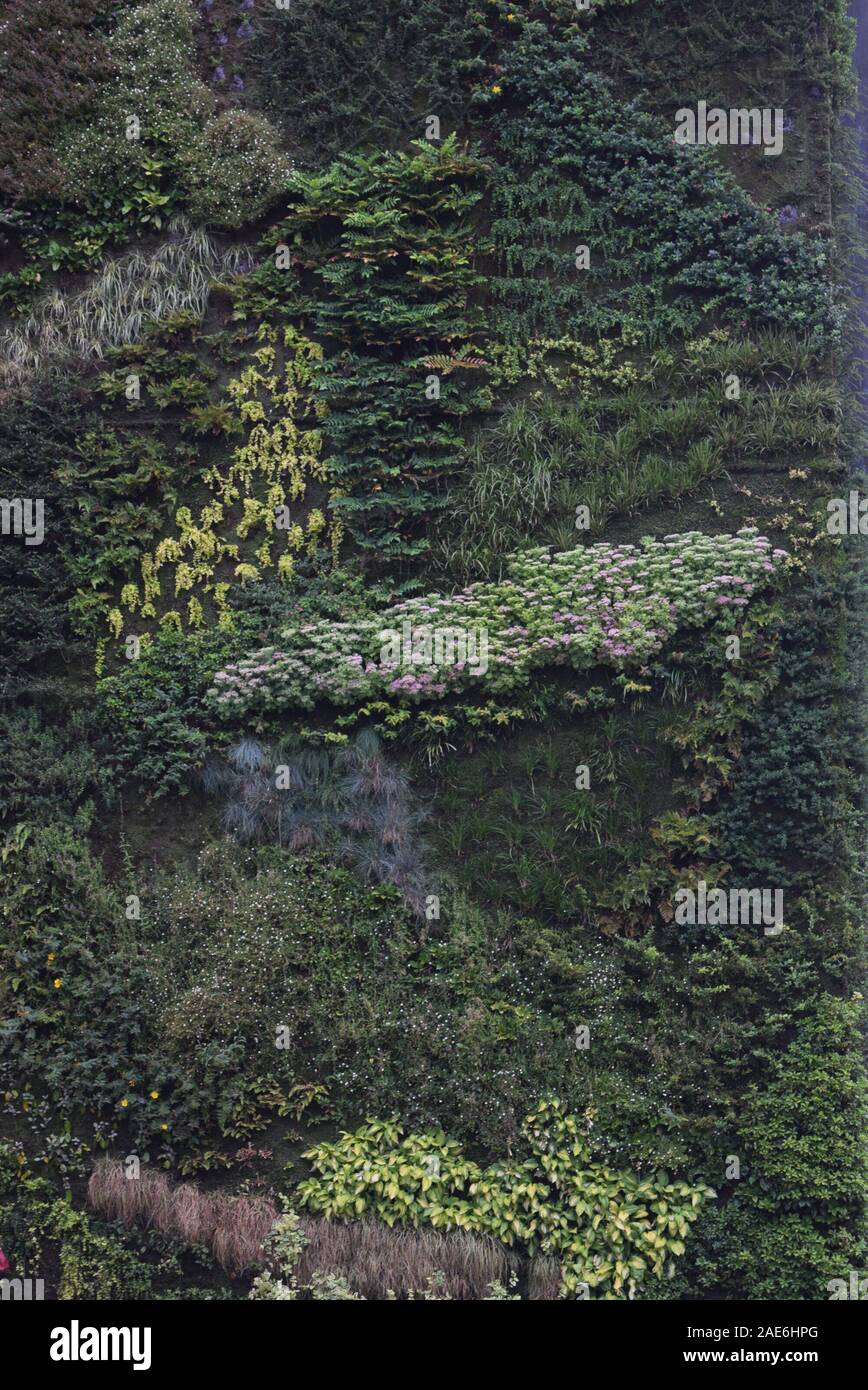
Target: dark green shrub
x=151, y=707
x=52, y=59
x=348, y=75
x=51, y=769
x=790, y=815
x=803, y=1124
x=672, y=238
x=739, y=1252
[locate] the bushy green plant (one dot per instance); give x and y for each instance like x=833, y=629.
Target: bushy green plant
x=801, y=1124
x=52, y=58
x=390, y=242
x=71, y=1020
x=350, y=76
x=672, y=239
x=741, y=1251
x=153, y=81
x=151, y=709
x=232, y=170
x=227, y=166
x=52, y=770
x=80, y=1257
x=786, y=818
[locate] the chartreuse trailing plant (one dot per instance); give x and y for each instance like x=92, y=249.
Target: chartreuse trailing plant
x=671, y=238
x=609, y=1230
x=388, y=247
x=260, y=496
x=122, y=488
x=615, y=605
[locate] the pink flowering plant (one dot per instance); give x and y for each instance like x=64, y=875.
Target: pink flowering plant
x=601, y=604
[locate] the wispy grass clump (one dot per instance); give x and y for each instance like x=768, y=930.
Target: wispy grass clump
x=233, y=1227
x=126, y=295
x=353, y=800
x=374, y=1259
x=377, y=1260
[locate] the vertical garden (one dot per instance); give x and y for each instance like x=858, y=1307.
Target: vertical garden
x=431, y=810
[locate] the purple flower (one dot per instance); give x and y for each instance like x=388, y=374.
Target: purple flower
x=788, y=215
x=238, y=83
x=245, y=30
x=789, y=122
x=219, y=74
x=247, y=4
x=221, y=40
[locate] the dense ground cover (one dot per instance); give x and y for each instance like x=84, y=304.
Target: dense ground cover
x=435, y=594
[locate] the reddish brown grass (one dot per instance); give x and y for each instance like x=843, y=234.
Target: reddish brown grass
x=544, y=1278
x=234, y=1227
x=242, y=1225
x=374, y=1259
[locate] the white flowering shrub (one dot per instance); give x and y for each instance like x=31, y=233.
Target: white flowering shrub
x=232, y=169
x=226, y=167
x=151, y=51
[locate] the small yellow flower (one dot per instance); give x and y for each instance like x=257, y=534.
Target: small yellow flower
x=21, y=1159
x=164, y=1126
x=58, y=982
x=50, y=957
x=155, y=1095
x=497, y=89
x=124, y=1103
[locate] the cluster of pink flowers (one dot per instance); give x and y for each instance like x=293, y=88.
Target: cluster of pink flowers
x=612, y=604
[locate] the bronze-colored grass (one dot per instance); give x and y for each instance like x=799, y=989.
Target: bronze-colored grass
x=233, y=1227
x=374, y=1259
x=544, y=1279
x=241, y=1227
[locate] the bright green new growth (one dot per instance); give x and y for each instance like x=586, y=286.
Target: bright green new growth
x=610, y=1231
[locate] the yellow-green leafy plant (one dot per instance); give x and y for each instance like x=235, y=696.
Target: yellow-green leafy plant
x=273, y=403
x=610, y=1231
